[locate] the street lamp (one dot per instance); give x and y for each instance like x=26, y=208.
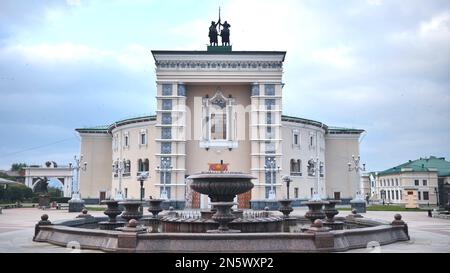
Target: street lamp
x=76, y=204
x=119, y=167
x=272, y=168
x=164, y=169
x=316, y=167
x=141, y=178
x=358, y=202
x=287, y=179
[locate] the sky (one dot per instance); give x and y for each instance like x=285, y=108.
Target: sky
x=383, y=66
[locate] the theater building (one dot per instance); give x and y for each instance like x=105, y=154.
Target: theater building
x=219, y=110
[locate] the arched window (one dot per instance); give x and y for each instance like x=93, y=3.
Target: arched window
x=146, y=165
x=295, y=167
x=140, y=166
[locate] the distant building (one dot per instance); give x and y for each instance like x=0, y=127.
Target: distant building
x=421, y=182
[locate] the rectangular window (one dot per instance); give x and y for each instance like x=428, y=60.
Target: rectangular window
x=269, y=133
x=268, y=190
x=389, y=194
x=166, y=104
x=182, y=90
x=166, y=148
x=166, y=118
x=416, y=182
x=219, y=126
x=269, y=118
x=311, y=141
x=270, y=104
x=143, y=138
x=426, y=196
x=396, y=181
x=295, y=139
x=255, y=90
x=167, y=191
x=296, y=193
x=126, y=192
x=424, y=183
x=312, y=192
x=269, y=89
x=126, y=141
x=165, y=175
x=166, y=133
x=167, y=89
x=396, y=195
x=418, y=195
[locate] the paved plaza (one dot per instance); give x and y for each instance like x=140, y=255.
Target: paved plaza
x=427, y=234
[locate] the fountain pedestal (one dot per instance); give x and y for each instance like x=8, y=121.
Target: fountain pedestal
x=331, y=211
x=112, y=212
x=223, y=216
x=315, y=210
x=131, y=210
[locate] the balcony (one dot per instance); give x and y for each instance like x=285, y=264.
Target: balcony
x=296, y=174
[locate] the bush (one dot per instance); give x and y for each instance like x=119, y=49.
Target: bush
x=14, y=193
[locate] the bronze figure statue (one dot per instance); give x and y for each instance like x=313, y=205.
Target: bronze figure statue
x=225, y=33
x=213, y=41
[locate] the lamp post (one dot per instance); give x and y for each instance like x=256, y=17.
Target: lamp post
x=272, y=168
x=142, y=177
x=76, y=204
x=164, y=169
x=316, y=171
x=358, y=202
x=119, y=166
x=287, y=179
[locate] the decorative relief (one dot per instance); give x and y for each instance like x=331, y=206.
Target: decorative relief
x=220, y=65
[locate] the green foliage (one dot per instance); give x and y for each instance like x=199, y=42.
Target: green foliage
x=14, y=193
x=17, y=167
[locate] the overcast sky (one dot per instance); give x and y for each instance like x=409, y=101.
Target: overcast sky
x=379, y=65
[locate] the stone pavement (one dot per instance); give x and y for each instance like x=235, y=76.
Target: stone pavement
x=427, y=234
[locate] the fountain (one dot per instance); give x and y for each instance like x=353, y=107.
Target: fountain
x=222, y=188
x=112, y=212
x=330, y=212
x=200, y=231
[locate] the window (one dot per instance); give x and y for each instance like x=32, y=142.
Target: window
x=182, y=90
x=166, y=118
x=389, y=194
x=424, y=183
x=126, y=141
x=269, y=118
x=295, y=139
x=296, y=193
x=396, y=195
x=143, y=165
x=269, y=89
x=166, y=133
x=269, y=133
x=167, y=89
x=127, y=170
x=255, y=89
x=126, y=193
x=166, y=148
x=219, y=126
x=416, y=182
x=268, y=190
x=426, y=196
x=418, y=195
x=270, y=104
x=311, y=141
x=401, y=195
x=396, y=181
x=166, y=104
x=296, y=167
x=143, y=138
x=167, y=191
x=312, y=192
x=321, y=169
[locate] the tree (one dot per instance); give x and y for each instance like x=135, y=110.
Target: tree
x=17, y=167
